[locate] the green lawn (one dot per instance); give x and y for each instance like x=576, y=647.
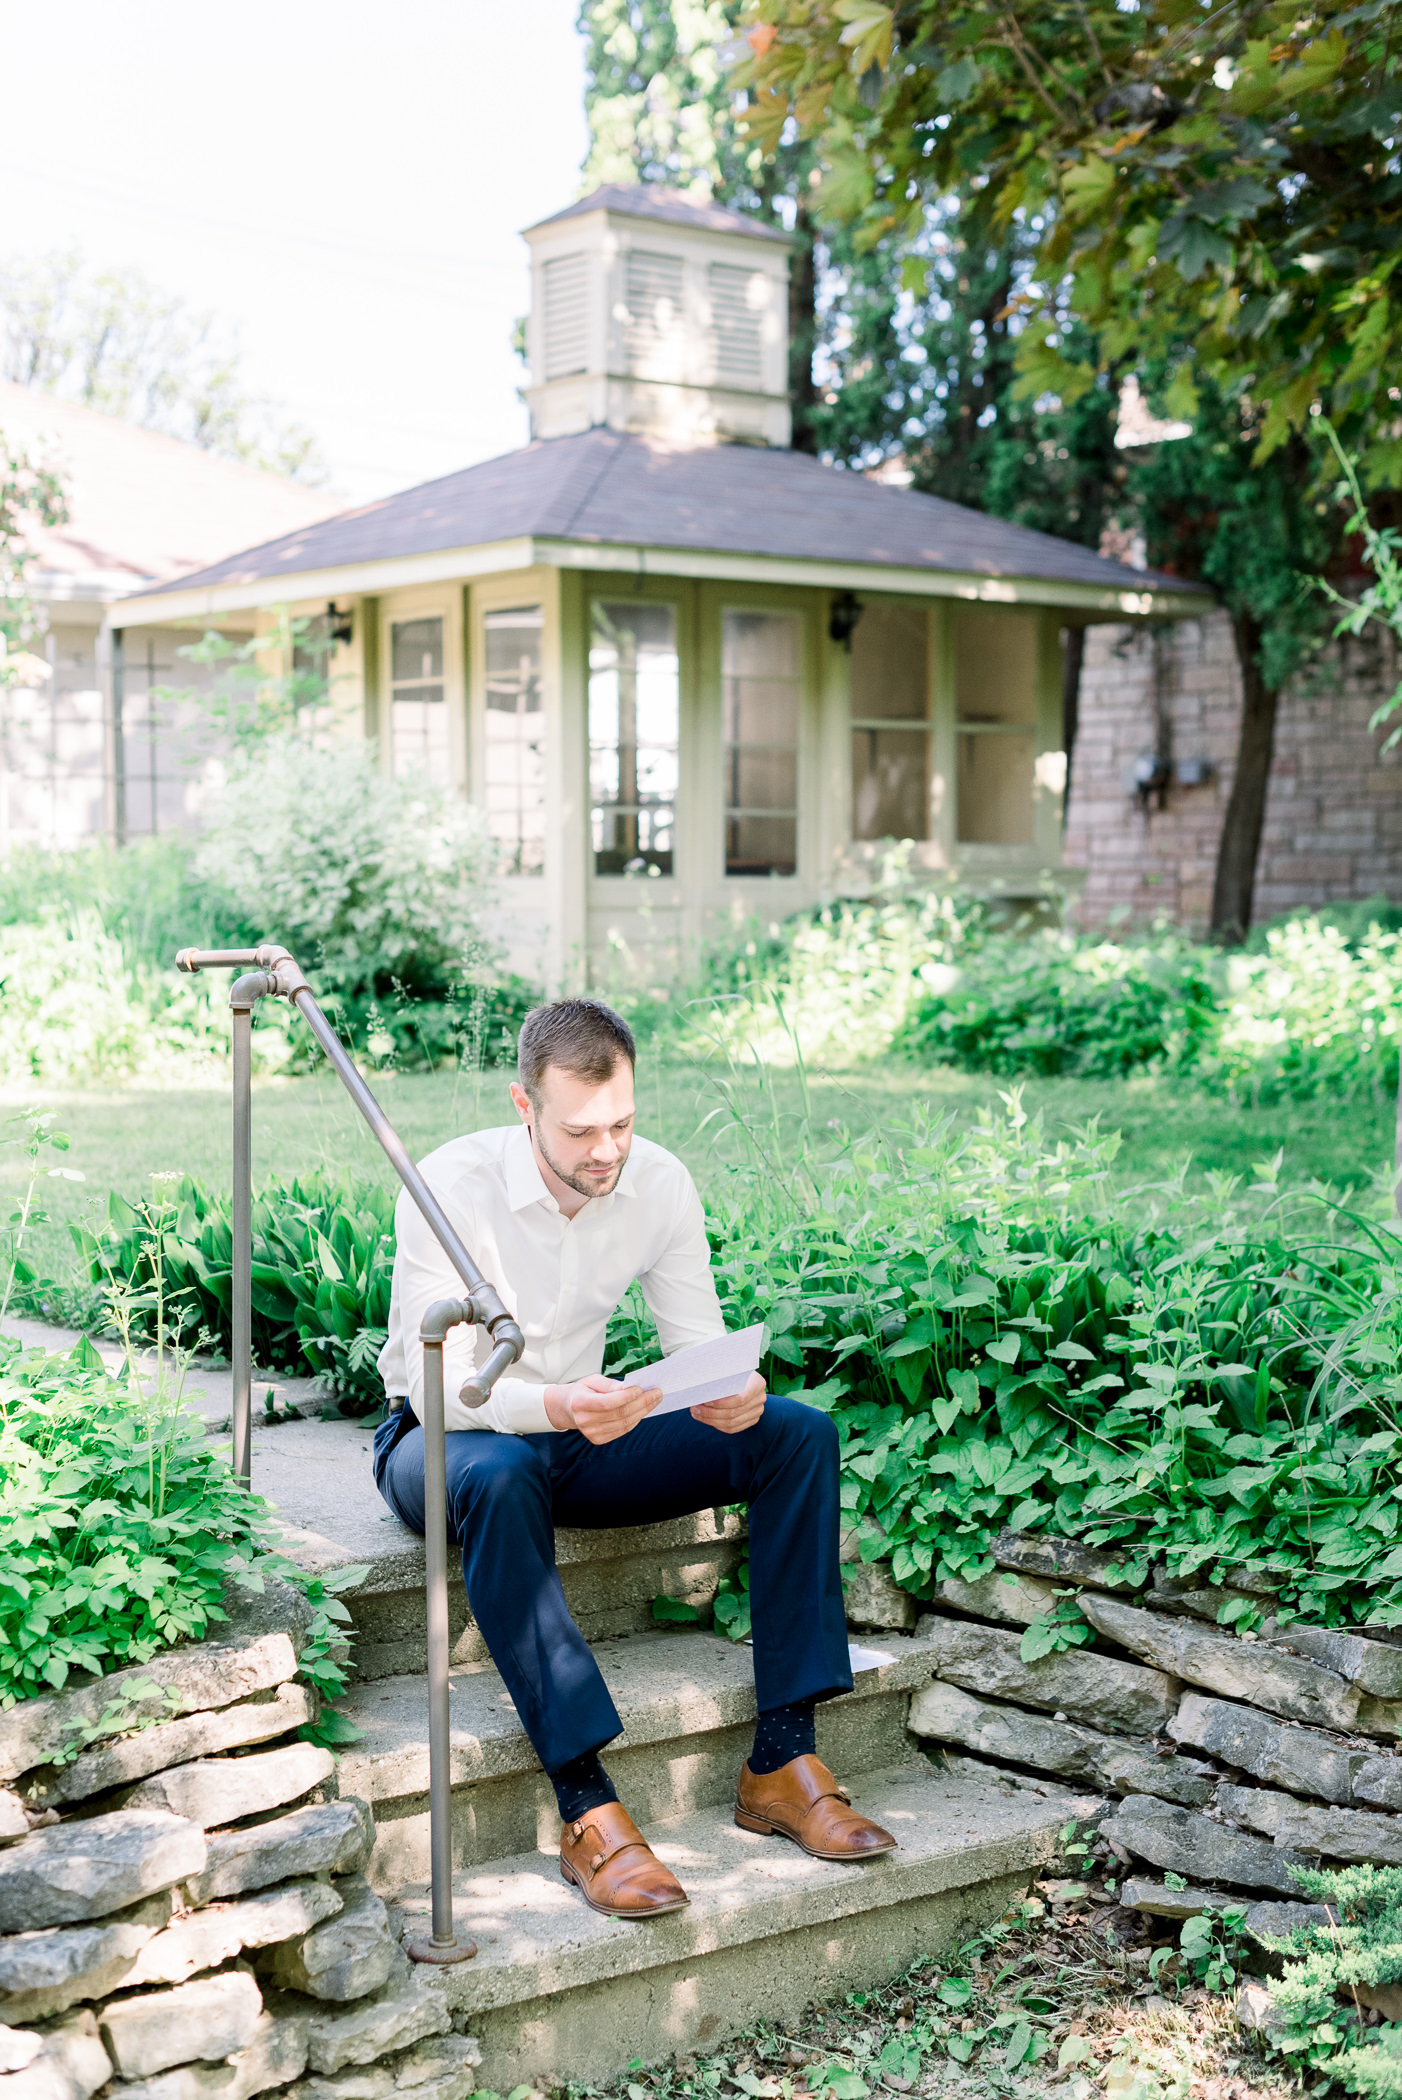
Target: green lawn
x=120, y=1137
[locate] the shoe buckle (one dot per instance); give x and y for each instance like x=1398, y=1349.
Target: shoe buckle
x=577, y=1832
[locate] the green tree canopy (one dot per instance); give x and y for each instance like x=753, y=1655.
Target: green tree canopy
x=1223, y=177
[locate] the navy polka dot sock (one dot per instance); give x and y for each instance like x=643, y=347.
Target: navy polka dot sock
x=580, y=1785
x=781, y=1734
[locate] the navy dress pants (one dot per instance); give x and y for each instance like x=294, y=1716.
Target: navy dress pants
x=507, y=1493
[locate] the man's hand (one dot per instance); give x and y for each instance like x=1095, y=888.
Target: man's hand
x=737, y=1411
x=600, y=1408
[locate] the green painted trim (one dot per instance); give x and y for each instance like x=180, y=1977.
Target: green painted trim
x=370, y=666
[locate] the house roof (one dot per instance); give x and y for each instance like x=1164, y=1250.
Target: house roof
x=649, y=200
x=142, y=508
x=608, y=491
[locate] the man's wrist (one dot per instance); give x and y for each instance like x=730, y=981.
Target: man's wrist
x=557, y=1407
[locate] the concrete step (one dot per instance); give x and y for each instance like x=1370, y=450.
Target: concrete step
x=687, y=1703
x=557, y=1991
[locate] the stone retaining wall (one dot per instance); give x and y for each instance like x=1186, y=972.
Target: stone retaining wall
x=1229, y=1761
x=183, y=1910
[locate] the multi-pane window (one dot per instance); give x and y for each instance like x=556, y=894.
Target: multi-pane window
x=891, y=723
x=515, y=719
x=418, y=712
x=633, y=713
x=760, y=688
x=996, y=721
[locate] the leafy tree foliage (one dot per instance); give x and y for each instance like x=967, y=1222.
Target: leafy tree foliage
x=30, y=494
x=1225, y=177
x=117, y=344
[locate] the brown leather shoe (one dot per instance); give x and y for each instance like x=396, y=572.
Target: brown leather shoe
x=804, y=1802
x=606, y=1857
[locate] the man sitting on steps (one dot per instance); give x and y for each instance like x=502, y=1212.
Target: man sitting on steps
x=564, y=1211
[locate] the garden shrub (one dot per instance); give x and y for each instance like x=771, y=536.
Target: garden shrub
x=120, y=1525
x=323, y=1254
x=372, y=882
x=1318, y=2021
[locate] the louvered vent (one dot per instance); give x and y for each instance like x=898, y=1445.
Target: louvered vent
x=566, y=315
x=653, y=292
x=735, y=325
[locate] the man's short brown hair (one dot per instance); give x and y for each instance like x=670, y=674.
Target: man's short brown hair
x=581, y=1036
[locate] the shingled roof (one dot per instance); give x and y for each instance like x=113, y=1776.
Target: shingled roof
x=606, y=489
x=649, y=200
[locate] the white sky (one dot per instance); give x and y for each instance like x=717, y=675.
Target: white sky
x=344, y=183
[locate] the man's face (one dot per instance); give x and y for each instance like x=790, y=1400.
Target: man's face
x=582, y=1131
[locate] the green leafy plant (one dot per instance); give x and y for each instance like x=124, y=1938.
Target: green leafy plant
x=1061, y=1628
x=1210, y=1945
x=35, y=1137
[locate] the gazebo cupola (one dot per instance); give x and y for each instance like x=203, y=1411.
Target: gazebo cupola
x=659, y=316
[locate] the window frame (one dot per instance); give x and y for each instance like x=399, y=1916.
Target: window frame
x=770, y=605
x=676, y=602
x=926, y=725
x=396, y=608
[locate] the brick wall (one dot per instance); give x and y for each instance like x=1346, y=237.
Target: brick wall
x=1334, y=808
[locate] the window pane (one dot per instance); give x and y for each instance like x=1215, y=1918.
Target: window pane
x=633, y=737
x=890, y=784
x=514, y=787
x=891, y=666
x=760, y=718
x=418, y=723
x=995, y=790
x=996, y=665
x=416, y=650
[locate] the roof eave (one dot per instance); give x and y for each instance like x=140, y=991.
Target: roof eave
x=1093, y=601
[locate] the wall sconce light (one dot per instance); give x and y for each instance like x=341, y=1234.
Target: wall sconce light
x=1145, y=776
x=340, y=626
x=843, y=614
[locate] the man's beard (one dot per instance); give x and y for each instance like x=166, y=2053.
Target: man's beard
x=582, y=1183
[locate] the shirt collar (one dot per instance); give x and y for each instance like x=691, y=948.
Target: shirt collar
x=524, y=1182
x=526, y=1185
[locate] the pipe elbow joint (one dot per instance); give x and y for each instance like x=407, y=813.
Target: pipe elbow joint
x=246, y=991
x=440, y=1317
x=287, y=978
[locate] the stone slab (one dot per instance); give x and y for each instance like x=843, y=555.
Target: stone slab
x=209, y=1674
x=1272, y=1921
x=405, y=2012
x=14, y=1823
x=219, y=1790
x=1157, y=1900
x=1244, y=1670
x=767, y=1928
x=873, y=1597
x=1007, y=1734
x=72, y=2064
x=276, y=2054
x=169, y=1743
x=334, y=1837
x=1199, y=1849
x=686, y=1700
x=349, y=1956
x=441, y=2067
x=1374, y=1666
x=44, y=1972
x=1299, y=1759
x=1181, y=1779
x=1378, y=1781
x=74, y=1871
x=195, y=2023
x=1121, y=1697
x=1334, y=1833
x=202, y=1939
x=1061, y=1560
x=1007, y=1599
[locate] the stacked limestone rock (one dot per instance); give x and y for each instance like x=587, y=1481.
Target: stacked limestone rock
x=183, y=1914
x=1291, y=1728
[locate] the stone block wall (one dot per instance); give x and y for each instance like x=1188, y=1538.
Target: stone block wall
x=183, y=1909
x=1333, y=828
x=1232, y=1761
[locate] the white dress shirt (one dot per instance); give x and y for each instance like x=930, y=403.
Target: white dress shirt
x=561, y=1277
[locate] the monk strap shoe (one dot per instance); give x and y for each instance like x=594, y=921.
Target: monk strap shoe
x=804, y=1802
x=606, y=1857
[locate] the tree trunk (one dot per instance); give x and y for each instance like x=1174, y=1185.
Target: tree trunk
x=1073, y=656
x=1240, y=842
x=803, y=330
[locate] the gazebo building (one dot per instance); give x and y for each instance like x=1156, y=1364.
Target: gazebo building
x=690, y=675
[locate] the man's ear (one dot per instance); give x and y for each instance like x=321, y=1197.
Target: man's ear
x=522, y=1101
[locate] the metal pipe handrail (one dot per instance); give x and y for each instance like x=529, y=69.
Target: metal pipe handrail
x=270, y=971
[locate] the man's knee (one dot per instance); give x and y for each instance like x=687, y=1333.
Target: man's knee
x=802, y=1429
